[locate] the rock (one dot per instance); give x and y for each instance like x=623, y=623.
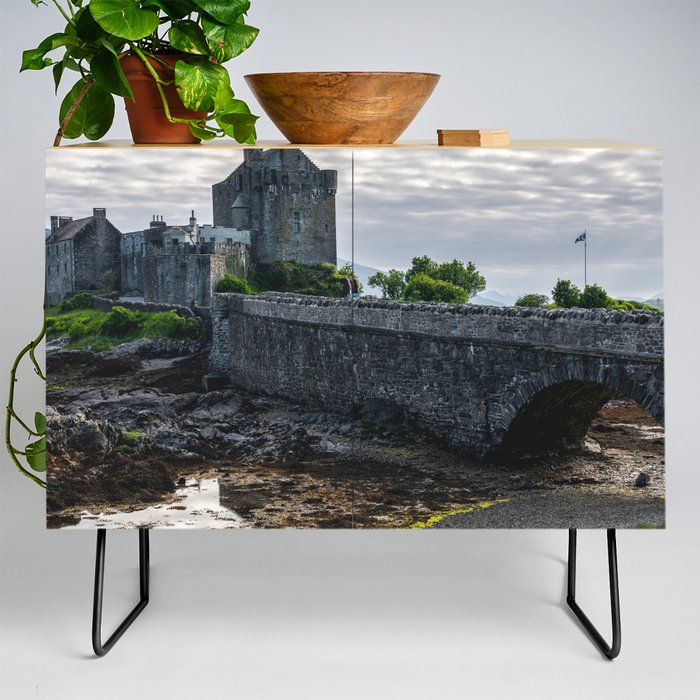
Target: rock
x=592, y=446
x=380, y=411
x=96, y=438
x=641, y=480
x=113, y=366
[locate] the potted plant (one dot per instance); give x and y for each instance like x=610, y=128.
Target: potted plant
x=164, y=57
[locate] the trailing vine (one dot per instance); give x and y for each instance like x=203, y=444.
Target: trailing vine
x=34, y=452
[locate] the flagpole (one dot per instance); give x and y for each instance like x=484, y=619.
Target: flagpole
x=585, y=259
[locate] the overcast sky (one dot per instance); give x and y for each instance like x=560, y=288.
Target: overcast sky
x=515, y=213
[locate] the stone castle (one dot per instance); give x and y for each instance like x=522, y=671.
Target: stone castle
x=276, y=206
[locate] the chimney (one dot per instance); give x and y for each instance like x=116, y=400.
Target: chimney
x=194, y=227
x=63, y=220
x=99, y=213
x=157, y=221
x=54, y=225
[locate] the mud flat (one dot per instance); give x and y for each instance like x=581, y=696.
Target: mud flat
x=134, y=442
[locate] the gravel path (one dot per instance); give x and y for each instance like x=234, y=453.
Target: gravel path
x=566, y=508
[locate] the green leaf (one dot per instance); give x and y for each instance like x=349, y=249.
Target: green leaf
x=108, y=74
x=228, y=41
x=36, y=455
x=34, y=59
x=175, y=9
x=124, y=18
x=57, y=71
x=93, y=116
x=234, y=117
x=238, y=126
x=201, y=132
x=40, y=423
x=187, y=36
x=86, y=27
x=198, y=83
x=224, y=11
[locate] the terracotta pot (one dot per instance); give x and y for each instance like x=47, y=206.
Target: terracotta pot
x=359, y=107
x=147, y=118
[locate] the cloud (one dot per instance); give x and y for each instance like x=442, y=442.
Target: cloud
x=515, y=213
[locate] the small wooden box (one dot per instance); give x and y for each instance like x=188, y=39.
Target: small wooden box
x=485, y=138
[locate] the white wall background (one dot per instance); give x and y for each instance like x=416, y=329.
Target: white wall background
x=334, y=615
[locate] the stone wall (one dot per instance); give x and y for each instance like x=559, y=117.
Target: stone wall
x=463, y=373
x=60, y=272
x=132, y=252
x=183, y=278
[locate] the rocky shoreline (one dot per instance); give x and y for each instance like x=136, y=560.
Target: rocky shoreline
x=132, y=428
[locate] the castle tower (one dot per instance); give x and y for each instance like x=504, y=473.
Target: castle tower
x=286, y=202
x=240, y=213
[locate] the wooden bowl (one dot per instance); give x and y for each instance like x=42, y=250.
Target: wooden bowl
x=358, y=107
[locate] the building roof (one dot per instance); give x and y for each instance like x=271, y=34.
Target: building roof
x=173, y=231
x=69, y=230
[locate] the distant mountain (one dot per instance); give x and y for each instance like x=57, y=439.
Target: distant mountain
x=493, y=298
x=47, y=233
x=657, y=300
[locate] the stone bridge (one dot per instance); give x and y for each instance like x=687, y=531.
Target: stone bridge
x=482, y=378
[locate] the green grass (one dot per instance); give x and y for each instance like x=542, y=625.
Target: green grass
x=102, y=330
x=319, y=280
x=132, y=436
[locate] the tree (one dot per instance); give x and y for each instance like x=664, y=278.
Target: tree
x=532, y=300
x=422, y=266
x=465, y=276
x=391, y=283
x=594, y=297
x=421, y=287
x=566, y=294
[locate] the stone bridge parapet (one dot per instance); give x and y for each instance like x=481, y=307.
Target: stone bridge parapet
x=480, y=377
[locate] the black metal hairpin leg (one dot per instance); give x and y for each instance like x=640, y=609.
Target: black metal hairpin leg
x=609, y=651
x=144, y=565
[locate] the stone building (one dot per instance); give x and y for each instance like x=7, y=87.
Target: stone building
x=183, y=264
x=285, y=201
x=82, y=255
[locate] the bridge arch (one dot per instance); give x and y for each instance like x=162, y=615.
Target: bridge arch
x=554, y=408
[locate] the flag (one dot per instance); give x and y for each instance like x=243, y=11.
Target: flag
x=582, y=237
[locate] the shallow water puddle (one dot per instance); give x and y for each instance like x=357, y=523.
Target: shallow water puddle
x=196, y=505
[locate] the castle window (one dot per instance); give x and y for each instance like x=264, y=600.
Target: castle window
x=296, y=222
x=229, y=240
x=212, y=239
x=65, y=267
x=176, y=241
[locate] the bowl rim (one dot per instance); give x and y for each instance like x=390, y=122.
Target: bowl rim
x=340, y=72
